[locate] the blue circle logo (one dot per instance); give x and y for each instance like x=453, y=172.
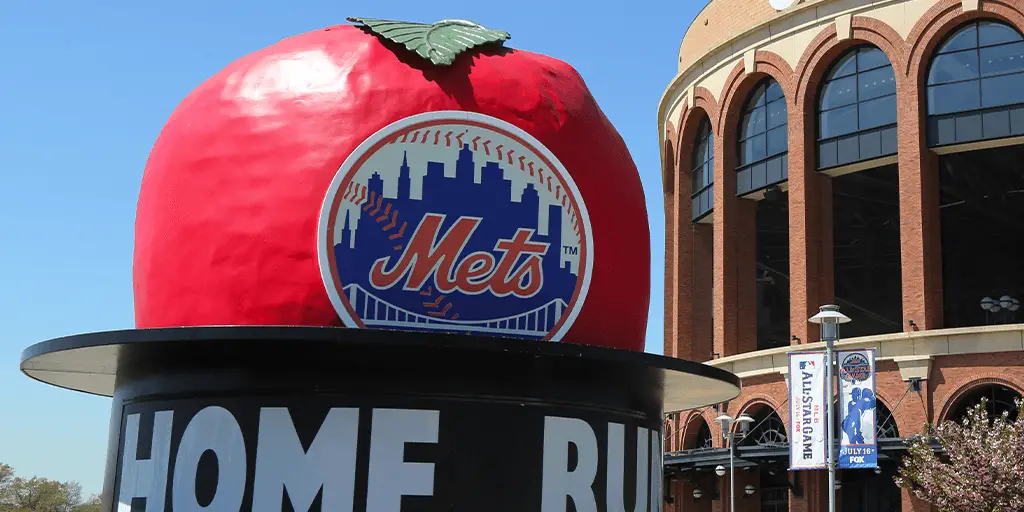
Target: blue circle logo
x=456, y=222
x=855, y=368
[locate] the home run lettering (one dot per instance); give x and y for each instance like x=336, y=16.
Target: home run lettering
x=244, y=455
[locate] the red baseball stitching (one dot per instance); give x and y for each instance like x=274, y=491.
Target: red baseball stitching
x=525, y=164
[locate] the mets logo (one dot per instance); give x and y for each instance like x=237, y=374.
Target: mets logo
x=456, y=222
x=855, y=368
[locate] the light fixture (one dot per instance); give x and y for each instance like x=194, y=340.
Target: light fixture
x=992, y=305
x=749, y=490
x=744, y=422
x=1004, y=302
x=829, y=318
x=878, y=471
x=720, y=470
x=697, y=493
x=725, y=420
x=839, y=485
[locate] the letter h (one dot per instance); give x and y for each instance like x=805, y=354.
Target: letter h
x=146, y=478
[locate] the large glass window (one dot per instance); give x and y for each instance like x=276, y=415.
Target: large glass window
x=866, y=250
x=703, y=173
x=772, y=277
x=976, y=85
x=857, y=109
x=980, y=205
x=763, y=141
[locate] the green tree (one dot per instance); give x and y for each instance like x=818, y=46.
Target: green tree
x=37, y=494
x=92, y=505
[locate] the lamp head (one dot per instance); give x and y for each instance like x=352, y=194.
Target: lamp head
x=829, y=318
x=829, y=314
x=745, y=422
x=720, y=470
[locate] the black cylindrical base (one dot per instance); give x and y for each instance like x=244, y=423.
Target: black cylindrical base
x=341, y=419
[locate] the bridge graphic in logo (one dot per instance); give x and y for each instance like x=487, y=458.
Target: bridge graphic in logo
x=455, y=222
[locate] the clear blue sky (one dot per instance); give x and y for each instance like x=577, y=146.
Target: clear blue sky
x=84, y=92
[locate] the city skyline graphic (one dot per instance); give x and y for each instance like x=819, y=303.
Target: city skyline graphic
x=382, y=225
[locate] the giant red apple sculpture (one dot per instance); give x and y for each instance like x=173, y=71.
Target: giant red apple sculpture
x=395, y=176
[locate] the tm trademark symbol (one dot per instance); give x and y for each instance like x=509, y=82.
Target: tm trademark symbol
x=570, y=249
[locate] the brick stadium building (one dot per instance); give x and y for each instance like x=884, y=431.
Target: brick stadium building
x=864, y=153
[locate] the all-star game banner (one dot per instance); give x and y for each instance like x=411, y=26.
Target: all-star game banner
x=807, y=410
x=857, y=446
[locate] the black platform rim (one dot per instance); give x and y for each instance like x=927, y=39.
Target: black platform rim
x=378, y=337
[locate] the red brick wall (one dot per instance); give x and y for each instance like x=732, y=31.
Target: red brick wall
x=709, y=271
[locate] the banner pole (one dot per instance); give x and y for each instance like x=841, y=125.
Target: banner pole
x=829, y=432
x=829, y=318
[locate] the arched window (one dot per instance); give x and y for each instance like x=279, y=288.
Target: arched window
x=767, y=430
x=998, y=398
x=857, y=109
x=763, y=142
x=703, y=171
x=885, y=422
x=976, y=85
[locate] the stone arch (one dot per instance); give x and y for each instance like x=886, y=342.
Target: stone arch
x=757, y=401
x=942, y=19
x=826, y=47
x=669, y=432
x=669, y=151
x=691, y=428
x=953, y=398
x=757, y=406
x=702, y=100
x=738, y=86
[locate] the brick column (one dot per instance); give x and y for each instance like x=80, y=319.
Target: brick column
x=810, y=228
x=813, y=496
x=701, y=285
x=670, y=271
x=678, y=325
x=920, y=248
x=726, y=233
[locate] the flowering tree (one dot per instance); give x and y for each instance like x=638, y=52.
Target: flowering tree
x=982, y=469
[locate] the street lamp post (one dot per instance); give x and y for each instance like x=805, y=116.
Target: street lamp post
x=829, y=318
x=730, y=437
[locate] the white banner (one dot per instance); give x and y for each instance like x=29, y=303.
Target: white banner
x=807, y=412
x=857, y=447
